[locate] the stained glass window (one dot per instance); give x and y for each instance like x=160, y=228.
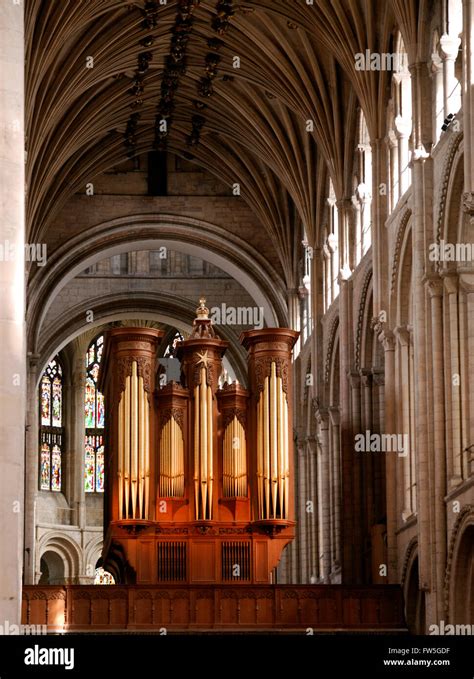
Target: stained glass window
x=51, y=433
x=45, y=466
x=94, y=464
x=171, y=348
x=94, y=421
x=103, y=577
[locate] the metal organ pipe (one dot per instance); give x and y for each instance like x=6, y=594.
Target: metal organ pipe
x=134, y=449
x=272, y=449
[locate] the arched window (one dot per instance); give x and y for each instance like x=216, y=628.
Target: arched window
x=400, y=126
x=94, y=419
x=362, y=198
x=171, y=348
x=103, y=577
x=451, y=56
x=51, y=431
x=330, y=251
x=305, y=290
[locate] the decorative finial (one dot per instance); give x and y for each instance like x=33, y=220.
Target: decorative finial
x=202, y=311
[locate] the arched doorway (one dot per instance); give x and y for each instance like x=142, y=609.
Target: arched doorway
x=52, y=569
x=414, y=600
x=463, y=580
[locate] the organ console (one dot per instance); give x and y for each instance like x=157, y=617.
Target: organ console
x=199, y=479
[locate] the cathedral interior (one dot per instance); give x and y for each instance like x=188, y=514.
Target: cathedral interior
x=242, y=331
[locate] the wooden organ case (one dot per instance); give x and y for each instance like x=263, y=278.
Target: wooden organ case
x=199, y=479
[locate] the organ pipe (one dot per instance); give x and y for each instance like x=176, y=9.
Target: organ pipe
x=203, y=448
x=260, y=489
x=126, y=447
x=141, y=459
x=133, y=449
x=210, y=464
x=146, y=445
x=196, y=450
x=121, y=454
x=272, y=449
x=171, y=460
x=234, y=460
x=134, y=436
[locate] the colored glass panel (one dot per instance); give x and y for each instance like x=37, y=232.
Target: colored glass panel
x=45, y=401
x=57, y=402
x=94, y=421
x=100, y=411
x=45, y=466
x=89, y=469
x=99, y=468
x=103, y=577
x=56, y=468
x=90, y=403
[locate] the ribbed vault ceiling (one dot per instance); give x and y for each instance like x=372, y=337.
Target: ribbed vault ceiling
x=297, y=64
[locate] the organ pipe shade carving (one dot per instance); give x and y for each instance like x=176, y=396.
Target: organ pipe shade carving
x=171, y=460
x=133, y=449
x=203, y=448
x=272, y=449
x=234, y=460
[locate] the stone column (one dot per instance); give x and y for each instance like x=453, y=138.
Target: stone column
x=403, y=129
x=357, y=466
x=438, y=549
x=76, y=443
x=466, y=282
x=324, y=496
x=336, y=489
x=356, y=254
x=468, y=95
x=437, y=80
x=449, y=51
x=392, y=143
x=301, y=514
x=387, y=338
x=345, y=216
x=403, y=335
x=368, y=463
x=422, y=221
x=294, y=318
x=379, y=217
x=12, y=310
x=31, y=471
x=347, y=439
x=312, y=538
x=455, y=463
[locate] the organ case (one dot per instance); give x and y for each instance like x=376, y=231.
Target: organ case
x=199, y=479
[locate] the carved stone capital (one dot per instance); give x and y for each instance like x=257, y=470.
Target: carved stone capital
x=378, y=378
x=384, y=334
x=322, y=418
x=403, y=334
x=451, y=283
x=466, y=281
x=434, y=286
x=468, y=203
x=354, y=379
x=449, y=46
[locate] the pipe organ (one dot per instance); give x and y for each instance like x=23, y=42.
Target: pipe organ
x=199, y=479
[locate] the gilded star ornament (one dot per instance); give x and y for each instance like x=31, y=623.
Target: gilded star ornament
x=204, y=358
